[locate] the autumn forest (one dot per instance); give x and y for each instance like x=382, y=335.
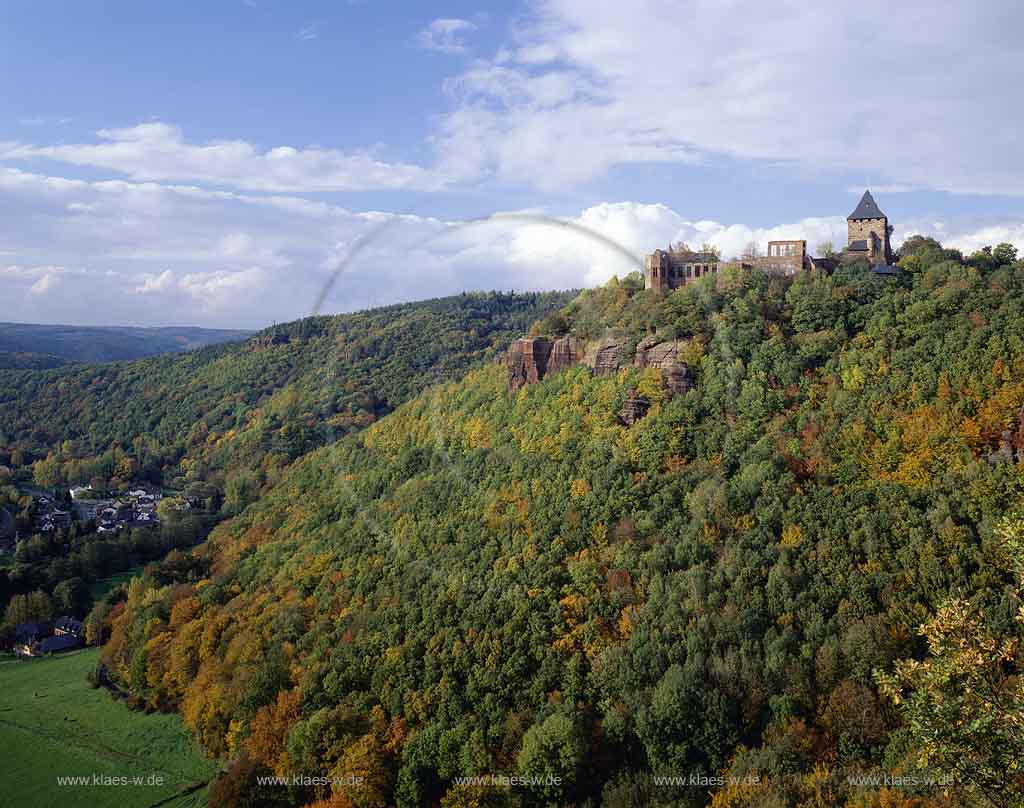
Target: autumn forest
x=798, y=583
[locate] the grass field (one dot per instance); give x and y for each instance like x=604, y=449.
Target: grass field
x=52, y=724
x=101, y=587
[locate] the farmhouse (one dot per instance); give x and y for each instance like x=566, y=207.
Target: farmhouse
x=31, y=639
x=68, y=626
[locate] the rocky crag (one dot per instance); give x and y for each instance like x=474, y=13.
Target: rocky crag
x=530, y=359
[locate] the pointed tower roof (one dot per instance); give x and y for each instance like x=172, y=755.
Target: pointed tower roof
x=867, y=208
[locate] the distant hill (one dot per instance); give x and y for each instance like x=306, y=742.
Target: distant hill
x=232, y=415
x=22, y=360
x=25, y=345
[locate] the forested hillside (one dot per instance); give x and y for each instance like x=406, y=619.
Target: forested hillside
x=226, y=419
x=54, y=344
x=486, y=581
x=25, y=360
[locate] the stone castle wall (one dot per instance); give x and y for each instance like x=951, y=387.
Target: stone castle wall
x=863, y=229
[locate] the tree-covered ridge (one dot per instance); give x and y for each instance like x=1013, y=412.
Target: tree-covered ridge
x=490, y=582
x=83, y=343
x=21, y=360
x=231, y=416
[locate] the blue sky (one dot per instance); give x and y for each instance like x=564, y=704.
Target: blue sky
x=211, y=163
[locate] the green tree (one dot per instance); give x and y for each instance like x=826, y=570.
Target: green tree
x=35, y=607
x=964, y=704
x=71, y=597
x=552, y=751
x=1004, y=254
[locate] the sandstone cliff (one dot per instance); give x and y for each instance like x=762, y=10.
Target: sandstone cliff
x=604, y=356
x=261, y=341
x=651, y=353
x=530, y=359
x=634, y=408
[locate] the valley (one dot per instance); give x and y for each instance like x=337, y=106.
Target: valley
x=54, y=725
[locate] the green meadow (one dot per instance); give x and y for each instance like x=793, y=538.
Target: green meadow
x=54, y=725
x=104, y=585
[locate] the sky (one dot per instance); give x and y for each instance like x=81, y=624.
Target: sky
x=218, y=163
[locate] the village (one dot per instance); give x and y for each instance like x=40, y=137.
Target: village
x=67, y=517
x=136, y=507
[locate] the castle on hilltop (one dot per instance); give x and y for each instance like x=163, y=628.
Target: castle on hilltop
x=677, y=266
x=868, y=232
x=867, y=236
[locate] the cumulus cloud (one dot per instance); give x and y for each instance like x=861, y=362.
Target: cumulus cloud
x=850, y=85
x=446, y=35
x=220, y=288
x=122, y=252
x=159, y=152
x=39, y=280
x=153, y=284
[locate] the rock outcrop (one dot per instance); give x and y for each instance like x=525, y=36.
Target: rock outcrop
x=650, y=353
x=678, y=379
x=261, y=341
x=1011, y=443
x=565, y=353
x=530, y=359
x=604, y=356
x=1004, y=454
x=634, y=408
x=527, y=362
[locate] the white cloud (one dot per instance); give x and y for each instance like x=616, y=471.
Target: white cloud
x=216, y=290
x=853, y=85
x=159, y=152
x=122, y=252
x=967, y=237
x=446, y=35
x=42, y=121
x=152, y=284
x=307, y=33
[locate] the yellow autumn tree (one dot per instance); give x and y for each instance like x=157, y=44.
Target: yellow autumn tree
x=964, y=703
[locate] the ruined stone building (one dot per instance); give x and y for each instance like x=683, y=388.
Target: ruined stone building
x=672, y=268
x=785, y=257
x=868, y=232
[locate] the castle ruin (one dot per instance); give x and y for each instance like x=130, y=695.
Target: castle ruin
x=868, y=232
x=677, y=266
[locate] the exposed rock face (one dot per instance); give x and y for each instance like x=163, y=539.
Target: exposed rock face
x=262, y=341
x=634, y=408
x=1004, y=454
x=530, y=359
x=565, y=353
x=527, y=362
x=678, y=379
x=1011, y=443
x=604, y=356
x=653, y=354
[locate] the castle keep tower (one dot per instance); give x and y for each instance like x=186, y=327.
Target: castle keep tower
x=868, y=232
